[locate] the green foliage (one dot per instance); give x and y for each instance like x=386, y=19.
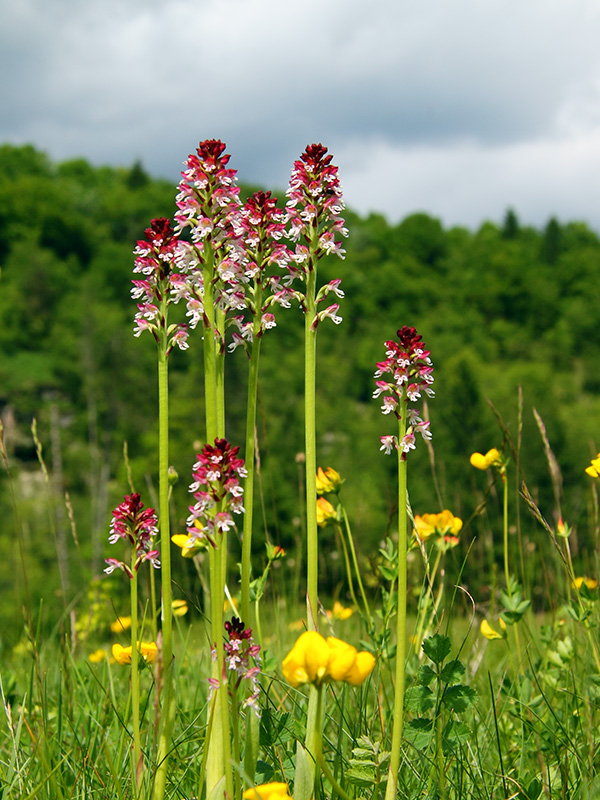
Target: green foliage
x=498, y=307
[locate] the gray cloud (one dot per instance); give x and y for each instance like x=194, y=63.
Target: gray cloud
x=428, y=97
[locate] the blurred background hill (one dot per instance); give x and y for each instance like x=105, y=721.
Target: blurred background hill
x=502, y=308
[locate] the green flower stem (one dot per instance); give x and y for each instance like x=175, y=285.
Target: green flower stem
x=167, y=719
x=210, y=365
x=310, y=358
x=422, y=617
x=219, y=747
x=506, y=569
x=135, y=679
x=355, y=563
x=505, y=532
x=246, y=571
x=342, y=539
x=571, y=573
x=314, y=729
x=441, y=767
x=392, y=784
x=220, y=372
x=153, y=605
x=252, y=721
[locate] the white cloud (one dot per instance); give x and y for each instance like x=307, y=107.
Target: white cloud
x=461, y=108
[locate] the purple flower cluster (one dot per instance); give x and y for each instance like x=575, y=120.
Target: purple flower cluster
x=137, y=525
x=239, y=650
x=260, y=227
x=314, y=208
x=217, y=492
x=411, y=373
x=208, y=205
x=155, y=260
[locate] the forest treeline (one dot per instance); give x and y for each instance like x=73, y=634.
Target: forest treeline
x=509, y=314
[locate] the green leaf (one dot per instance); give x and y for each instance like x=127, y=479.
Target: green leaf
x=458, y=698
x=275, y=728
x=304, y=775
x=437, y=647
x=419, y=699
x=361, y=774
x=425, y=675
x=264, y=772
x=419, y=732
x=452, y=671
x=454, y=734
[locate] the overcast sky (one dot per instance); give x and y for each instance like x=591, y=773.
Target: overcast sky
x=460, y=108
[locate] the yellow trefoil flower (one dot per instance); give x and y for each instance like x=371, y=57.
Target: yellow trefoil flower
x=594, y=468
x=97, y=656
x=181, y=540
x=491, y=459
x=589, y=583
x=442, y=524
x=268, y=791
x=180, y=608
x=317, y=660
x=562, y=529
x=122, y=655
x=328, y=480
x=491, y=633
x=325, y=512
x=121, y=624
x=339, y=612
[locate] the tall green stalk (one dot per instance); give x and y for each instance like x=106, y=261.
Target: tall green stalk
x=246, y=570
x=167, y=719
x=392, y=783
x=312, y=547
x=135, y=679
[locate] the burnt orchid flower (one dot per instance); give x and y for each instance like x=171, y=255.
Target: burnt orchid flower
x=242, y=659
x=259, y=228
x=137, y=525
x=211, y=264
x=155, y=258
x=404, y=376
x=314, y=208
x=217, y=490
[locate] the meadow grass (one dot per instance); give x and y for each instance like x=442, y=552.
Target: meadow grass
x=400, y=685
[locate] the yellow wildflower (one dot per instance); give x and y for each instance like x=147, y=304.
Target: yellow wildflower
x=491, y=633
x=328, y=480
x=231, y=604
x=325, y=512
x=442, y=524
x=121, y=624
x=181, y=540
x=346, y=664
x=122, y=655
x=589, y=583
x=339, y=612
x=307, y=660
x=491, y=459
x=594, y=468
x=314, y=659
x=268, y=791
x=562, y=529
x=97, y=656
x=180, y=608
